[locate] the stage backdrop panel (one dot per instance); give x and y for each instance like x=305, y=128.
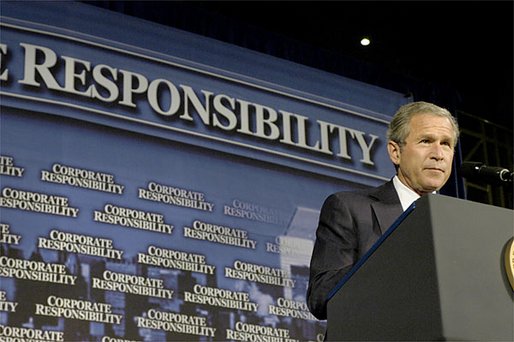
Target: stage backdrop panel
x=158, y=185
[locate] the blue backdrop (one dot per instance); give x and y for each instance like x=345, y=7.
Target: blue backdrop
x=177, y=179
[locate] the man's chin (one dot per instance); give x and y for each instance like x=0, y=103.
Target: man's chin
x=429, y=188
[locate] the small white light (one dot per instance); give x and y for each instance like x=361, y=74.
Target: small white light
x=365, y=41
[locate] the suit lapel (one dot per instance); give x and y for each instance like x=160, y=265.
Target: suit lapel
x=386, y=207
x=385, y=214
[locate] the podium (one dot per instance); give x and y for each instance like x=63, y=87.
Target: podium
x=437, y=274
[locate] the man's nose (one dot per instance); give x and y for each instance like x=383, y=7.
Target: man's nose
x=437, y=152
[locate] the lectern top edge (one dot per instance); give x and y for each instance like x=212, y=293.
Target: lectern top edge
x=373, y=248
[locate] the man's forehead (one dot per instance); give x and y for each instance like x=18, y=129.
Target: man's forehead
x=427, y=121
x=426, y=124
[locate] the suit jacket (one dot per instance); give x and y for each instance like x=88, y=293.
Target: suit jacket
x=349, y=224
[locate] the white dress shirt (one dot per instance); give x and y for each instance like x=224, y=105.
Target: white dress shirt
x=407, y=196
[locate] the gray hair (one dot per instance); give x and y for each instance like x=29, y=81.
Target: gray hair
x=399, y=127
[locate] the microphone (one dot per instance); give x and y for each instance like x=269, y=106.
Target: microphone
x=487, y=174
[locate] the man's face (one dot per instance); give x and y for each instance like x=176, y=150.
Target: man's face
x=425, y=159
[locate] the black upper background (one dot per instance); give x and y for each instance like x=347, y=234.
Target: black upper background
x=457, y=54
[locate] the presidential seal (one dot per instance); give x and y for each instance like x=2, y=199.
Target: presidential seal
x=509, y=262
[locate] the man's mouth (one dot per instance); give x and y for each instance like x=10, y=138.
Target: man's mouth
x=435, y=169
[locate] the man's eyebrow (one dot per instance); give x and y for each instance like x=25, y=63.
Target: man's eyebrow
x=425, y=136
x=433, y=137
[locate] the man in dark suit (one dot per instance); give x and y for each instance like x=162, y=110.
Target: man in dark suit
x=421, y=141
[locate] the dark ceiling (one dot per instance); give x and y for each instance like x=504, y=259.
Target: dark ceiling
x=465, y=46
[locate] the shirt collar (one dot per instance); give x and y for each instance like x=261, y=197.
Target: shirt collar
x=407, y=196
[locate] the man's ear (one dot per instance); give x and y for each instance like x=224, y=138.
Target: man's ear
x=394, y=152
